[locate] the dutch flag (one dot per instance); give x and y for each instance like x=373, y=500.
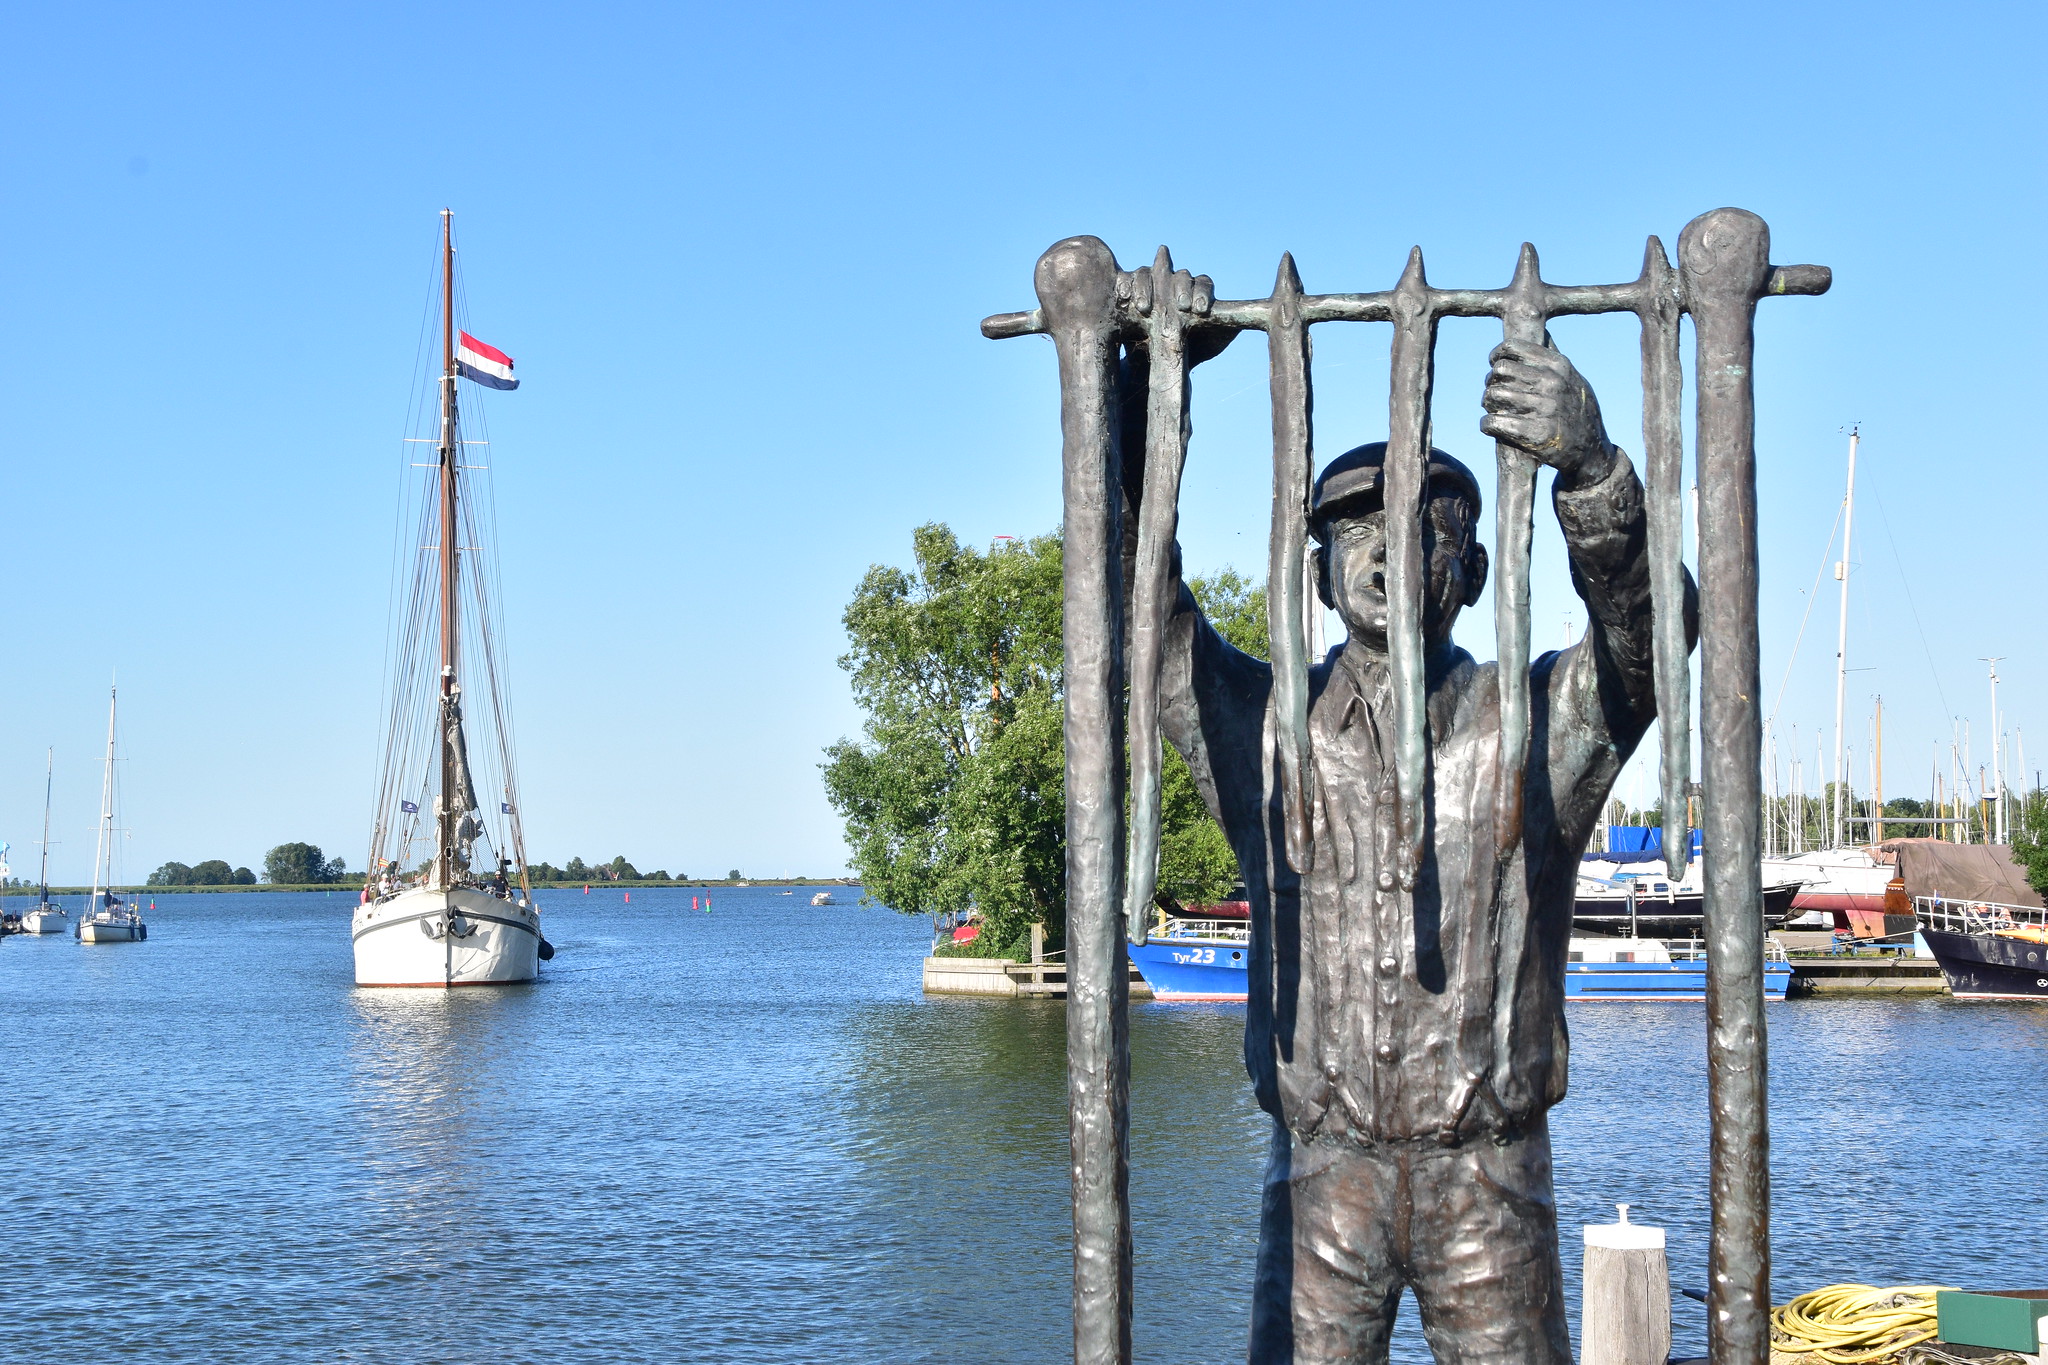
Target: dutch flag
x=485, y=365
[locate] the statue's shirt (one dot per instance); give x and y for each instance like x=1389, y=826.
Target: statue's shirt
x=1382, y=1015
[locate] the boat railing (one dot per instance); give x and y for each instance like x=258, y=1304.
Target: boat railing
x=1207, y=930
x=1695, y=950
x=1977, y=917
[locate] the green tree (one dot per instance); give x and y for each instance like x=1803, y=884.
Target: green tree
x=244, y=877
x=2030, y=838
x=212, y=872
x=1196, y=863
x=734, y=876
x=576, y=871
x=297, y=865
x=171, y=874
x=622, y=871
x=955, y=797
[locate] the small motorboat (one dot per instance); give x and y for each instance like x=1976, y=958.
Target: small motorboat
x=822, y=898
x=1655, y=969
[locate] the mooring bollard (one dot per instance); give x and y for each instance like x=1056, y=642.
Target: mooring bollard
x=1625, y=1305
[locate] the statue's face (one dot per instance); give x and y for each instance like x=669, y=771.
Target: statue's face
x=1353, y=570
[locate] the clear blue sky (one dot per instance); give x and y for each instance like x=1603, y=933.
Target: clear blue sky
x=740, y=253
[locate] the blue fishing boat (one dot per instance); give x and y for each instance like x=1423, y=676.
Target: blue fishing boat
x=1655, y=969
x=1196, y=959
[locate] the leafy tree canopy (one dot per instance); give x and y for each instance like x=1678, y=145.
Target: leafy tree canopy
x=955, y=797
x=299, y=865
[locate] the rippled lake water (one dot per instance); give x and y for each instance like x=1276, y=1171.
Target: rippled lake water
x=747, y=1136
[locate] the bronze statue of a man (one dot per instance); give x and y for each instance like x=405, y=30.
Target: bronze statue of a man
x=1407, y=1047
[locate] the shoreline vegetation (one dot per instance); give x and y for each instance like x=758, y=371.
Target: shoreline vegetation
x=355, y=884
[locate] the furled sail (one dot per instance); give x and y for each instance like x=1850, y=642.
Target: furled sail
x=461, y=794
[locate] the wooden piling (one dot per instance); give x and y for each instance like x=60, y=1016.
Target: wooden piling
x=1625, y=1310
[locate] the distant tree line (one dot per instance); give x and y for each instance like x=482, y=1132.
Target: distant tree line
x=617, y=870
x=212, y=872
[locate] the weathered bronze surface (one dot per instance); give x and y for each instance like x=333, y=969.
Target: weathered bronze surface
x=1408, y=821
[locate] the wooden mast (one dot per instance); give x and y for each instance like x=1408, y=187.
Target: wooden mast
x=450, y=445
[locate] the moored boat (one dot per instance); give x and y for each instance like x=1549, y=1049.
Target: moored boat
x=107, y=918
x=46, y=918
x=1987, y=950
x=1847, y=885
x=464, y=914
x=1196, y=959
x=1631, y=900
x=1655, y=969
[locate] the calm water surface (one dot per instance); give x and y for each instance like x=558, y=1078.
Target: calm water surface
x=747, y=1136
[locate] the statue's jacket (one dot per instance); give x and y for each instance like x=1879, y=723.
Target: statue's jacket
x=1384, y=1016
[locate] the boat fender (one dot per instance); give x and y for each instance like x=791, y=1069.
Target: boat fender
x=547, y=951
x=141, y=932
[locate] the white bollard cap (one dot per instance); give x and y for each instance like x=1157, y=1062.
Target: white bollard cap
x=1624, y=1235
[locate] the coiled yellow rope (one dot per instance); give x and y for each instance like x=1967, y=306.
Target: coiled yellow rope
x=1855, y=1324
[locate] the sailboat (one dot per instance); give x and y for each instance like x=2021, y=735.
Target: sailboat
x=447, y=901
x=46, y=918
x=106, y=917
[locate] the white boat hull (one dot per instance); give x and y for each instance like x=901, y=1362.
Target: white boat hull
x=117, y=931
x=45, y=922
x=428, y=937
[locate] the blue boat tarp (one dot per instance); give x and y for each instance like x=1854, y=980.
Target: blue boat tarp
x=1638, y=844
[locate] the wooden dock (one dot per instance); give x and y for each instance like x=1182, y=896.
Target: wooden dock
x=1811, y=976
x=1046, y=980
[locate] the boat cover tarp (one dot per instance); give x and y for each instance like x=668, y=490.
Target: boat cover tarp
x=1638, y=844
x=1969, y=872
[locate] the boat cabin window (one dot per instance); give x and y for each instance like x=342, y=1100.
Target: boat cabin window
x=1660, y=886
x=1575, y=957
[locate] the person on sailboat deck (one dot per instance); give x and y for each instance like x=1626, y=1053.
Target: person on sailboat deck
x=1408, y=1044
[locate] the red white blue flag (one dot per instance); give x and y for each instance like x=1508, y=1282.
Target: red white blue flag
x=485, y=365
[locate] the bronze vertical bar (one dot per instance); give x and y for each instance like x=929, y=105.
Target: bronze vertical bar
x=1404, y=480
x=1723, y=261
x=1166, y=453
x=1077, y=290
x=1664, y=504
x=1287, y=596
x=1522, y=319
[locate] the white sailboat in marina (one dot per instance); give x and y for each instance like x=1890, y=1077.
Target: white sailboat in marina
x=46, y=918
x=106, y=917
x=447, y=902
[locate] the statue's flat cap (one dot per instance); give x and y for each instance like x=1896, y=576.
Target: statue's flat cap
x=1356, y=476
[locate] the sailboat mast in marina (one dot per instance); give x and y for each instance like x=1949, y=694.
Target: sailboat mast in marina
x=106, y=917
x=447, y=901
